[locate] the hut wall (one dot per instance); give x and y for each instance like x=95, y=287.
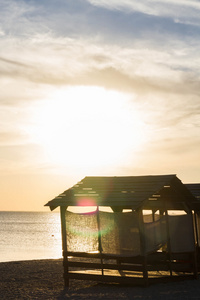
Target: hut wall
x=155, y=234
x=181, y=233
x=120, y=234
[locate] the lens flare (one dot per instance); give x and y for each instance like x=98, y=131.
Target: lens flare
x=86, y=224
x=86, y=201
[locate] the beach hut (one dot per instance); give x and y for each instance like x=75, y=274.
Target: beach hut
x=127, y=244
x=195, y=204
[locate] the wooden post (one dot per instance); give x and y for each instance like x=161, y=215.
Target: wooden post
x=168, y=242
x=153, y=215
x=194, y=228
x=143, y=246
x=64, y=244
x=197, y=239
x=99, y=239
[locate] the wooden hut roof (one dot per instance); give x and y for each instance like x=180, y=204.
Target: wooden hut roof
x=195, y=190
x=127, y=192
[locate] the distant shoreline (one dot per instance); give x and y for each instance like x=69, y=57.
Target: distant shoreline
x=43, y=279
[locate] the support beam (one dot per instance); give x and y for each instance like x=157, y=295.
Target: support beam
x=64, y=244
x=195, y=266
x=153, y=215
x=143, y=246
x=196, y=229
x=99, y=239
x=168, y=242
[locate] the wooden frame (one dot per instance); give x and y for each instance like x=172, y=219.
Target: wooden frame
x=136, y=270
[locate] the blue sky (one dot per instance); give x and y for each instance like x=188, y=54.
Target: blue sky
x=56, y=53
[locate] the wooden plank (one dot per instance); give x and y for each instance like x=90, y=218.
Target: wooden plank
x=107, y=278
x=125, y=278
x=108, y=266
x=124, y=267
x=104, y=256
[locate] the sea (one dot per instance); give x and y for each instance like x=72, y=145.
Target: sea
x=29, y=236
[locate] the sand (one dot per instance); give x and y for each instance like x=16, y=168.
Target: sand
x=42, y=279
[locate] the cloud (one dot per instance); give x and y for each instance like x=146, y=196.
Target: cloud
x=66, y=61
x=74, y=18
x=182, y=10
x=56, y=43
x=149, y=49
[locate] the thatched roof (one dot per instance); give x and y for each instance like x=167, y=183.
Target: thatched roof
x=128, y=192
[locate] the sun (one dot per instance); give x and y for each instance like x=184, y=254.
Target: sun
x=87, y=128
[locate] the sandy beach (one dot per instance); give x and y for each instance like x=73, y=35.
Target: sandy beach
x=42, y=279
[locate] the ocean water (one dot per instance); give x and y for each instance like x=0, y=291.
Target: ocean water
x=30, y=235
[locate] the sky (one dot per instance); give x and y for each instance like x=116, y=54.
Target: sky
x=94, y=87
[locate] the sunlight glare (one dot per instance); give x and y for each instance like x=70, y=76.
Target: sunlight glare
x=88, y=127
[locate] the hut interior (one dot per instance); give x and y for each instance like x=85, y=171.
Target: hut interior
x=128, y=229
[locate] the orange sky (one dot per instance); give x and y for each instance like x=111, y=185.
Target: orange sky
x=96, y=88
